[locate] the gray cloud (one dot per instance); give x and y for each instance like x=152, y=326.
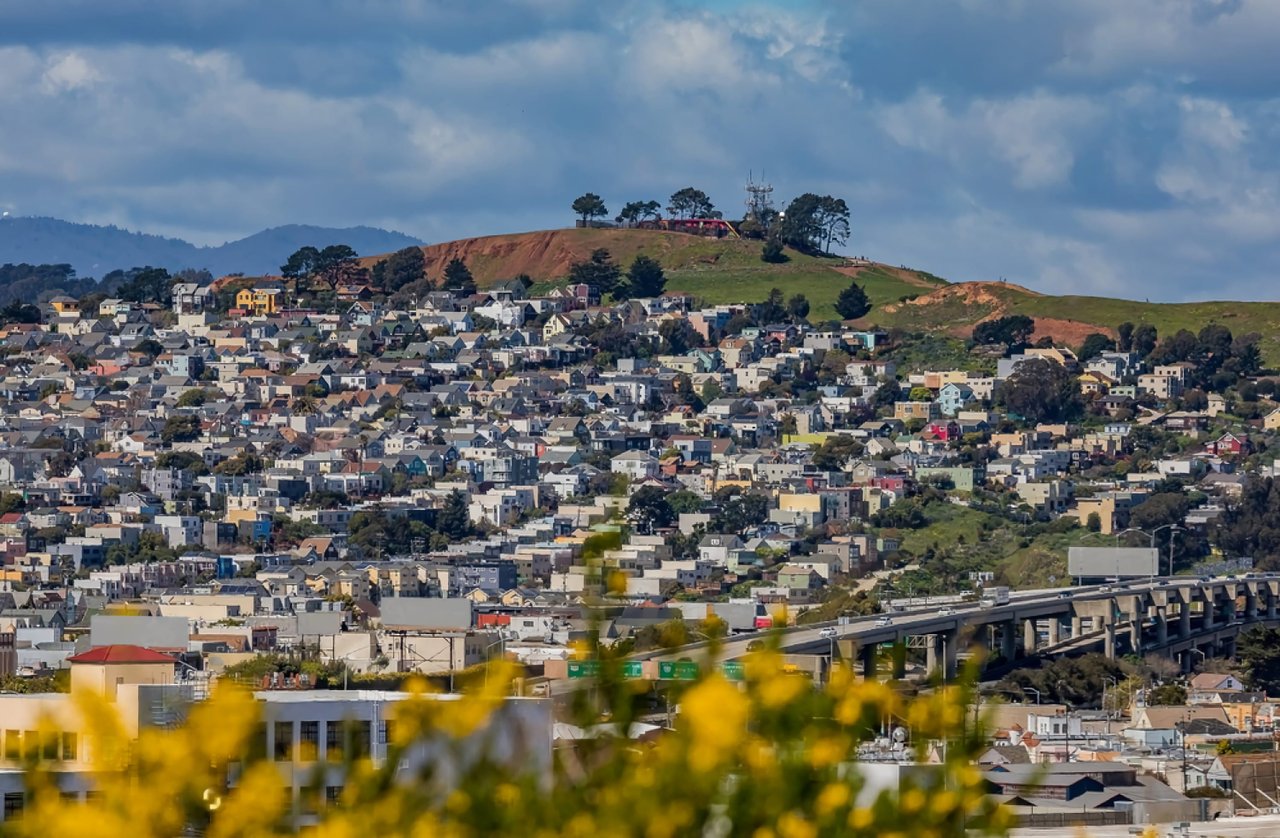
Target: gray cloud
x=1085, y=146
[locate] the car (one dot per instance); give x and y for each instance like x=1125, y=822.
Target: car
x=946, y=611
x=1066, y=595
x=829, y=632
x=1205, y=579
x=884, y=621
x=1163, y=582
x=1106, y=589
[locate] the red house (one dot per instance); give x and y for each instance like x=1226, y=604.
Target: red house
x=1229, y=445
x=942, y=431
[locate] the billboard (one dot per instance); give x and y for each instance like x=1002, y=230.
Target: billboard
x=151, y=632
x=1108, y=562
x=426, y=614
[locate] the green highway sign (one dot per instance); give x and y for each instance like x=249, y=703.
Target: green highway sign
x=584, y=669
x=632, y=669
x=677, y=670
x=732, y=670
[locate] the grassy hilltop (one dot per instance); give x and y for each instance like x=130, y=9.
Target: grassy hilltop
x=730, y=270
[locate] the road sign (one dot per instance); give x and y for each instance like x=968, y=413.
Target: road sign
x=732, y=670
x=632, y=669
x=677, y=670
x=584, y=669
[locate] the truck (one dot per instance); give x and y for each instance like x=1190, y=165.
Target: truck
x=991, y=597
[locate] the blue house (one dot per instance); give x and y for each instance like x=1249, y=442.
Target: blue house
x=953, y=397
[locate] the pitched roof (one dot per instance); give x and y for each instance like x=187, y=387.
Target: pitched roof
x=121, y=653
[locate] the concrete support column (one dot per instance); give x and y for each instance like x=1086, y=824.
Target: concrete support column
x=1184, y=658
x=1029, y=637
x=1227, y=648
x=932, y=653
x=1109, y=639
x=1135, y=631
x=1008, y=641
x=1055, y=629
x=898, y=660
x=1162, y=626
x=1271, y=604
x=867, y=655
x=1076, y=626
x=1210, y=618
x=1250, y=605
x=1184, y=620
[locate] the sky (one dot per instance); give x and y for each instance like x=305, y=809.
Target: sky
x=1085, y=146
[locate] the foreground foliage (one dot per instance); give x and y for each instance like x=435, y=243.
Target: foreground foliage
x=768, y=757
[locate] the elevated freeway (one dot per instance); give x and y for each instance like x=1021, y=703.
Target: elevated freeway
x=1180, y=617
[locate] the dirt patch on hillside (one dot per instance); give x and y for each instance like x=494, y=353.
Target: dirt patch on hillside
x=968, y=294
x=1070, y=332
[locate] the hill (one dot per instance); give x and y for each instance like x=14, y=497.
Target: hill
x=715, y=270
x=95, y=250
x=957, y=308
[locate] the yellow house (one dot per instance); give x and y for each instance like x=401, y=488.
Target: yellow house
x=259, y=300
x=65, y=305
x=104, y=669
x=1272, y=420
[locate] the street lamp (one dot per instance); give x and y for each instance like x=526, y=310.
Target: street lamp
x=1172, y=528
x=1033, y=690
x=1115, y=688
x=501, y=641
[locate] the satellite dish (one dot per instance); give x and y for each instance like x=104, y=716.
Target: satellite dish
x=899, y=734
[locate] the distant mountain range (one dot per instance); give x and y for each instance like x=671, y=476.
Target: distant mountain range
x=95, y=251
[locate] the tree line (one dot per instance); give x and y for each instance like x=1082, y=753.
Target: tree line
x=811, y=223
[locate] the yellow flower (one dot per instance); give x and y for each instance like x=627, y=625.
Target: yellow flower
x=912, y=801
x=861, y=818
x=832, y=797
x=715, y=713
x=792, y=825
x=780, y=689
x=825, y=752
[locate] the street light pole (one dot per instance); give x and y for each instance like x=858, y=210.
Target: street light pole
x=1033, y=690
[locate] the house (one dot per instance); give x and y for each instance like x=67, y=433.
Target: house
x=636, y=465
x=1229, y=445
x=260, y=299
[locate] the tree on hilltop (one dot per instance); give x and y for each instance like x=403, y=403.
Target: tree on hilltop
x=814, y=222
x=691, y=203
x=635, y=211
x=590, y=206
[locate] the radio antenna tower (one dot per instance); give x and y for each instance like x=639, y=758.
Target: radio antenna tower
x=759, y=198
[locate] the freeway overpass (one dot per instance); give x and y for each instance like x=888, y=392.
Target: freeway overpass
x=1179, y=617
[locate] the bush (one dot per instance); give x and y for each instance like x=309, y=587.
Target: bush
x=771, y=756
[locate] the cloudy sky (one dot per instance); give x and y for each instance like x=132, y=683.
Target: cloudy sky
x=1089, y=146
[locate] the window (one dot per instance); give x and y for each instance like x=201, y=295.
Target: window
x=332, y=794
x=49, y=742
x=309, y=741
x=70, y=749
x=333, y=741
x=12, y=744
x=31, y=744
x=284, y=741
x=361, y=737
x=387, y=732
x=13, y=803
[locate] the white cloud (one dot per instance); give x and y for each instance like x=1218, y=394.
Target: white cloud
x=1033, y=135
x=67, y=72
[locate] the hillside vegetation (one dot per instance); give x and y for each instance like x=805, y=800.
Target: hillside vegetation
x=715, y=270
x=730, y=270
